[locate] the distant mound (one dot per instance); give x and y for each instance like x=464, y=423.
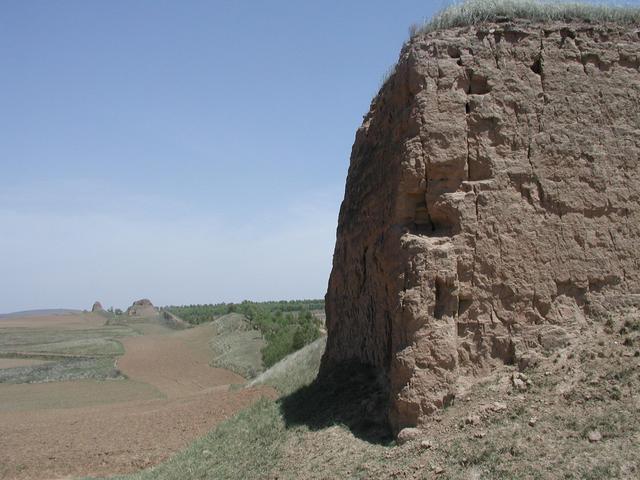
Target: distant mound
x=142, y=308
x=145, y=318
x=97, y=307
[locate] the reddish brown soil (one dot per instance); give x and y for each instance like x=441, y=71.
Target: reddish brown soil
x=41, y=443
x=176, y=364
x=72, y=394
x=62, y=322
x=108, y=439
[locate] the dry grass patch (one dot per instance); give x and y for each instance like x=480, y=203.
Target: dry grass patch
x=294, y=371
x=473, y=12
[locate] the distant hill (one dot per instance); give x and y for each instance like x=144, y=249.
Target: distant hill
x=39, y=313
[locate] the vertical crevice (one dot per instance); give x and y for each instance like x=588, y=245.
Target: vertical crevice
x=364, y=269
x=446, y=304
x=438, y=310
x=475, y=240
x=468, y=150
x=542, y=84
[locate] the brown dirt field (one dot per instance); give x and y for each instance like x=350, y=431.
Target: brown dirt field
x=38, y=441
x=176, y=364
x=73, y=394
x=62, y=322
x=20, y=362
x=109, y=439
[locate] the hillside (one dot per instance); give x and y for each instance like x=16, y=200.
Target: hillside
x=273, y=328
x=236, y=346
x=572, y=416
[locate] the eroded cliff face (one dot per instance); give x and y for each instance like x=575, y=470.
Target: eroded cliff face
x=492, y=206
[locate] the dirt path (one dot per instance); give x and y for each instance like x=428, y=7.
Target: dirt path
x=40, y=442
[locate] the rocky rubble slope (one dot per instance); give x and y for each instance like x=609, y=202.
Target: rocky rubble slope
x=491, y=209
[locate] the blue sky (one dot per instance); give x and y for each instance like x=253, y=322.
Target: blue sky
x=188, y=152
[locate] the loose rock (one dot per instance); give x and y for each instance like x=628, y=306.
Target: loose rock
x=425, y=444
x=594, y=436
x=498, y=407
x=472, y=420
x=408, y=435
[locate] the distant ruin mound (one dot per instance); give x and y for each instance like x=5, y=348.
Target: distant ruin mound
x=142, y=308
x=492, y=206
x=147, y=318
x=97, y=307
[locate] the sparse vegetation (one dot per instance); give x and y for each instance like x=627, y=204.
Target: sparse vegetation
x=72, y=354
x=94, y=341
x=75, y=368
x=236, y=346
x=472, y=12
x=246, y=446
x=298, y=369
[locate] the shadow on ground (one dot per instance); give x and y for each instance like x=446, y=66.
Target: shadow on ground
x=352, y=395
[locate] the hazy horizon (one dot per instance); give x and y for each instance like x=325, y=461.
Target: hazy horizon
x=188, y=152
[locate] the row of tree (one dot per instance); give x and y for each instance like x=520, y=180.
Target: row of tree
x=202, y=313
